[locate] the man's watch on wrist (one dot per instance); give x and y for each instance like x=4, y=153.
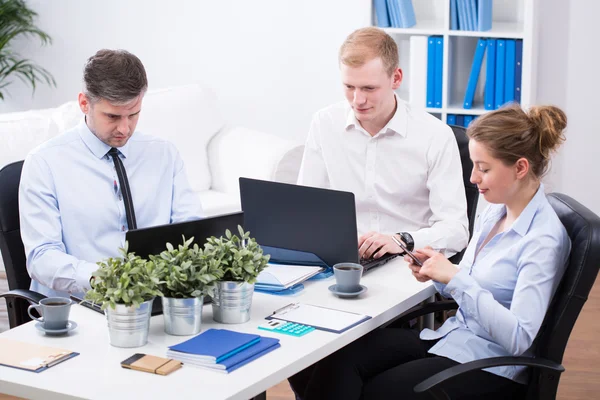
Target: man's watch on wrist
x=407, y=239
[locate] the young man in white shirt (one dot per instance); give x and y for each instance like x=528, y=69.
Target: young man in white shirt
x=401, y=163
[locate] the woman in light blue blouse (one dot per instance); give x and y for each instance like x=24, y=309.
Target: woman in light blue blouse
x=503, y=285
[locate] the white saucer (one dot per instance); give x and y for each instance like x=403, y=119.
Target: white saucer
x=346, y=295
x=70, y=326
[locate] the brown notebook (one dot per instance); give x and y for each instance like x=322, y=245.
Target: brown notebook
x=31, y=357
x=152, y=364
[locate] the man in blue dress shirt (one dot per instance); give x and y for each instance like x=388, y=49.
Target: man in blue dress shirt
x=82, y=190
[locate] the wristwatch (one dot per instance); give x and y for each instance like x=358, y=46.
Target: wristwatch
x=407, y=239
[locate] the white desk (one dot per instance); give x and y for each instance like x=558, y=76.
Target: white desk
x=96, y=372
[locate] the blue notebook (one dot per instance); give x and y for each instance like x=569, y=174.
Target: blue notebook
x=474, y=76
x=407, y=13
x=518, y=68
x=500, y=67
x=264, y=346
x=484, y=15
x=381, y=12
x=431, y=71
x=215, y=345
x=490, y=75
x=509, y=80
x=439, y=60
x=453, y=15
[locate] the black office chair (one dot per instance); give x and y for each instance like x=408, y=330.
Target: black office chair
x=19, y=296
x=583, y=227
x=471, y=191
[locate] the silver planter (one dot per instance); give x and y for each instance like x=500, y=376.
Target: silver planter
x=232, y=302
x=128, y=325
x=182, y=316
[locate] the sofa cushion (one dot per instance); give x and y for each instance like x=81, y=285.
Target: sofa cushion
x=21, y=132
x=218, y=203
x=188, y=117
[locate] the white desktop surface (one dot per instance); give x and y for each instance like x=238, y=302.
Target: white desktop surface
x=96, y=373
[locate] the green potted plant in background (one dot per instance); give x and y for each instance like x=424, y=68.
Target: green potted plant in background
x=16, y=20
x=241, y=260
x=125, y=287
x=186, y=278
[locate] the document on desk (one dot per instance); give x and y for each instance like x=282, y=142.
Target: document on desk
x=284, y=276
x=322, y=318
x=31, y=357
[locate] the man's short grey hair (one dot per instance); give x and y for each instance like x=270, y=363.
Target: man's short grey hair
x=114, y=75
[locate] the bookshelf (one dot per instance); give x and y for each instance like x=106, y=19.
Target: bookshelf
x=511, y=19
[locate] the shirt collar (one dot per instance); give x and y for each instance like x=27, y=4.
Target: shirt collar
x=95, y=145
x=396, y=125
x=521, y=225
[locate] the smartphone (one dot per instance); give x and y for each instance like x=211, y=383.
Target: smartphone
x=408, y=252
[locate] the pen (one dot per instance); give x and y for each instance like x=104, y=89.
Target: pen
x=283, y=308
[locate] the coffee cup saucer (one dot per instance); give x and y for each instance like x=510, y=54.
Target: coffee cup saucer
x=70, y=326
x=347, y=295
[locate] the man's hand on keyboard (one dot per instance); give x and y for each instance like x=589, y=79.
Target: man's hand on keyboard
x=375, y=245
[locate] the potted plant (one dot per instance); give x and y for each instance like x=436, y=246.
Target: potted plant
x=241, y=260
x=186, y=278
x=125, y=287
x=18, y=22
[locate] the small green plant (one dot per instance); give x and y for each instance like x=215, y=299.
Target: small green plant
x=240, y=257
x=129, y=280
x=17, y=21
x=185, y=271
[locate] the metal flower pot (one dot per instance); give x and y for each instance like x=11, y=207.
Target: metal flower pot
x=128, y=325
x=232, y=302
x=182, y=316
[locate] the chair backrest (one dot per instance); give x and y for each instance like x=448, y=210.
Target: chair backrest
x=471, y=191
x=11, y=245
x=583, y=228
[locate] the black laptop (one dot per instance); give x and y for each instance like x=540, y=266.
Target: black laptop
x=319, y=221
x=152, y=240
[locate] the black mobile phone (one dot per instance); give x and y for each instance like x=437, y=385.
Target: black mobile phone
x=408, y=252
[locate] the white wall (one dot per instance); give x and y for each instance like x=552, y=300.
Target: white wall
x=272, y=62
x=568, y=78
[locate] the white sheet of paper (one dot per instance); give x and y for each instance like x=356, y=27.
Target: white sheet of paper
x=318, y=317
x=286, y=275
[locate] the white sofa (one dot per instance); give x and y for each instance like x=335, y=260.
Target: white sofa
x=215, y=153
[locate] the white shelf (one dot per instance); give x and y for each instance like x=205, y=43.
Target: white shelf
x=508, y=30
x=425, y=27
x=458, y=109
x=505, y=30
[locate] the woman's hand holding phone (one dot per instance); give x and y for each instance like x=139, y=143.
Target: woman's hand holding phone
x=435, y=266
x=416, y=267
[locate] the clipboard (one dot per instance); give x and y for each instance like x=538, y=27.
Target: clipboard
x=31, y=357
x=321, y=318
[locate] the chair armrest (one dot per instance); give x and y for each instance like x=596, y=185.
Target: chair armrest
x=431, y=382
x=424, y=309
x=25, y=294
x=239, y=151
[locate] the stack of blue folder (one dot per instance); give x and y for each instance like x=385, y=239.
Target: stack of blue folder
x=471, y=15
x=395, y=13
x=503, y=72
x=222, y=350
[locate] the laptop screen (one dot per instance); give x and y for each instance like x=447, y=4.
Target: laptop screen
x=152, y=240
x=319, y=221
